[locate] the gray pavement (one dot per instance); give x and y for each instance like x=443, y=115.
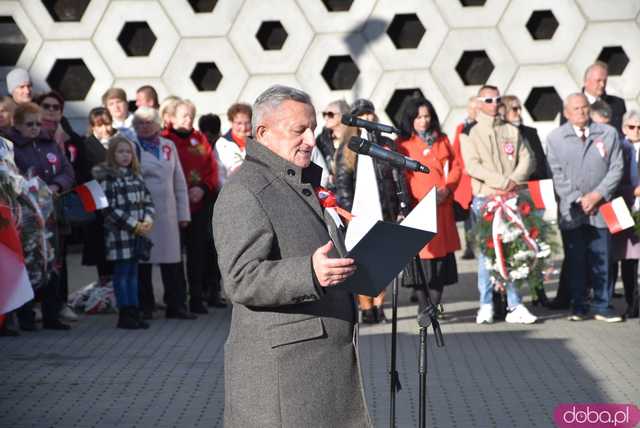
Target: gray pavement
x=171, y=375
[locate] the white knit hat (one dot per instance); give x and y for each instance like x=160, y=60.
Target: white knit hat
x=17, y=77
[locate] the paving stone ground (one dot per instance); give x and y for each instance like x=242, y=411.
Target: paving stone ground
x=171, y=375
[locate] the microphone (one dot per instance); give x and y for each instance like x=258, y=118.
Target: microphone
x=364, y=147
x=371, y=126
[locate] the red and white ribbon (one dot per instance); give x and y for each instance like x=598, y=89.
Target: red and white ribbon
x=505, y=212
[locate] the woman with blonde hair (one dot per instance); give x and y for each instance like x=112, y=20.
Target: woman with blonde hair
x=167, y=110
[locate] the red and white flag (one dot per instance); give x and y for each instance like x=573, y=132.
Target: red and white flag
x=15, y=287
x=616, y=215
x=91, y=196
x=542, y=194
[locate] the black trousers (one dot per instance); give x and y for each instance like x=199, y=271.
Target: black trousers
x=175, y=293
x=51, y=297
x=629, y=272
x=202, y=264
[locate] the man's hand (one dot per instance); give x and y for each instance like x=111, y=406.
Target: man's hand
x=183, y=224
x=196, y=194
x=589, y=202
x=54, y=188
x=331, y=271
x=442, y=194
x=511, y=186
x=636, y=191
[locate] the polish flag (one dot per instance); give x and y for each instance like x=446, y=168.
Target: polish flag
x=15, y=287
x=616, y=215
x=91, y=196
x=542, y=194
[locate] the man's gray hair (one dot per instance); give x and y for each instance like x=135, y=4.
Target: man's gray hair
x=631, y=114
x=597, y=64
x=271, y=99
x=573, y=95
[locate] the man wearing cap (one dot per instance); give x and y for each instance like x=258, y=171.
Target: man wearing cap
x=19, y=85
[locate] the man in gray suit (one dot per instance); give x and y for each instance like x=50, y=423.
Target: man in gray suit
x=586, y=162
x=290, y=358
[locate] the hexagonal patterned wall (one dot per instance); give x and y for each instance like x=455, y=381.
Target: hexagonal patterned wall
x=217, y=52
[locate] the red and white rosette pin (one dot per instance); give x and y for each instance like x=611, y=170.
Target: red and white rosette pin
x=166, y=153
x=509, y=149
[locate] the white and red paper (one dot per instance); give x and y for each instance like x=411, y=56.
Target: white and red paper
x=542, y=194
x=616, y=215
x=15, y=287
x=91, y=196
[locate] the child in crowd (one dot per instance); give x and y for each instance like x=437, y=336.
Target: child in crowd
x=129, y=214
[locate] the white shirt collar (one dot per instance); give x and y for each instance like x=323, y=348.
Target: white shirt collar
x=590, y=97
x=578, y=132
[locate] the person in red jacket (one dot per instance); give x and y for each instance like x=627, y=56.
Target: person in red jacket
x=201, y=173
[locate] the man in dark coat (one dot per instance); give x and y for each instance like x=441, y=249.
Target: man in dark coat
x=290, y=357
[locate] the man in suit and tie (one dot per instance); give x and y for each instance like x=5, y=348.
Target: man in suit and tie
x=290, y=358
x=583, y=182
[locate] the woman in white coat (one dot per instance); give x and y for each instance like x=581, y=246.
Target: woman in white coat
x=165, y=180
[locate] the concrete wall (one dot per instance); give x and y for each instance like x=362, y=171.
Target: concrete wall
x=219, y=52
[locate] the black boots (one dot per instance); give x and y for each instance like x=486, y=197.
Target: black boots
x=130, y=318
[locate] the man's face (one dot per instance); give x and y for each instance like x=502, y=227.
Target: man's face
x=183, y=118
x=143, y=101
x=577, y=111
x=288, y=132
x=241, y=125
x=118, y=108
x=596, y=81
x=631, y=129
x=23, y=93
x=488, y=101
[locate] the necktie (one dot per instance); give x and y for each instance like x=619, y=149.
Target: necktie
x=583, y=136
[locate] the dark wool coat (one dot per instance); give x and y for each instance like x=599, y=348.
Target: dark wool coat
x=129, y=203
x=290, y=357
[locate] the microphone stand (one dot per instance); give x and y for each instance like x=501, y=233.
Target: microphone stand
x=427, y=317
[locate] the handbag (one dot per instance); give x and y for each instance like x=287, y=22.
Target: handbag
x=72, y=210
x=142, y=248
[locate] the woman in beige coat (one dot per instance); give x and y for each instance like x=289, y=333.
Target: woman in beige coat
x=165, y=180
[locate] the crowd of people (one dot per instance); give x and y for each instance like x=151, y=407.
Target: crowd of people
x=161, y=177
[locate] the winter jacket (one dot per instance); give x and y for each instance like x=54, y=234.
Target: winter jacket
x=42, y=158
x=198, y=163
x=129, y=203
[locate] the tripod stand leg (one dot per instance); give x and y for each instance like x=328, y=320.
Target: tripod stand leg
x=392, y=371
x=422, y=381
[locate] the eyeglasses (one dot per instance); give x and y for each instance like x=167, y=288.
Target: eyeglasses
x=33, y=124
x=52, y=107
x=516, y=109
x=329, y=114
x=490, y=100
x=633, y=127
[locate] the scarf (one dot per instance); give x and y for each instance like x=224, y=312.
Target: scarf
x=151, y=145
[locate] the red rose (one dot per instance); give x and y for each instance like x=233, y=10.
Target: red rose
x=525, y=208
x=488, y=216
x=534, y=232
x=490, y=243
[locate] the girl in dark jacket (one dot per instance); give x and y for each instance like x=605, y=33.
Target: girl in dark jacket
x=130, y=213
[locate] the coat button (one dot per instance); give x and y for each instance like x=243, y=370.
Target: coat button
x=306, y=192
x=291, y=172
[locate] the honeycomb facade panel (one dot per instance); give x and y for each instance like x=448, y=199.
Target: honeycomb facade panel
x=324, y=21
x=386, y=12
x=13, y=11
x=459, y=16
x=53, y=52
x=202, y=24
x=453, y=48
x=598, y=36
x=596, y=10
x=115, y=20
x=191, y=52
x=541, y=76
x=257, y=84
x=65, y=30
x=393, y=81
x=258, y=60
x=556, y=49
x=324, y=46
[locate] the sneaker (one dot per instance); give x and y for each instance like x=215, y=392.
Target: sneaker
x=520, y=315
x=576, y=317
x=485, y=314
x=608, y=318
x=67, y=314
